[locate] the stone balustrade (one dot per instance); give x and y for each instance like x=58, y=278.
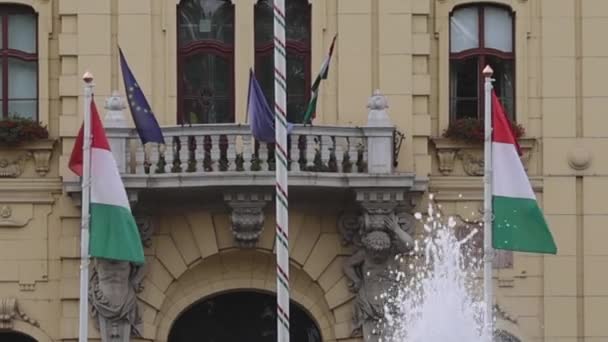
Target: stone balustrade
x=231, y=147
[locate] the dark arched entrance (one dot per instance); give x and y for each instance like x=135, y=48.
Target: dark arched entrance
x=15, y=337
x=240, y=316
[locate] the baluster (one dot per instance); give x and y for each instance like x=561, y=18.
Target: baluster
x=159, y=157
x=191, y=163
x=339, y=144
x=326, y=145
x=207, y=160
x=295, y=153
x=352, y=154
x=176, y=162
x=231, y=152
x=310, y=152
x=215, y=152
x=247, y=151
x=199, y=154
x=361, y=155
x=263, y=156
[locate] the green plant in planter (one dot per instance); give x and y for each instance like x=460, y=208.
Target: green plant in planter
x=17, y=130
x=471, y=130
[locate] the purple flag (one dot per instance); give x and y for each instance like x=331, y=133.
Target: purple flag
x=261, y=117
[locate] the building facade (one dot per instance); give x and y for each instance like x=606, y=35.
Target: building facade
x=204, y=201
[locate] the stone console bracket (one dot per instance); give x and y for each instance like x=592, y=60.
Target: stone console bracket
x=247, y=215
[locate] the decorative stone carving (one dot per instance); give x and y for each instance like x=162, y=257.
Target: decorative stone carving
x=9, y=311
x=247, y=215
x=377, y=116
x=13, y=168
x=579, y=158
x=113, y=292
x=146, y=229
x=378, y=234
x=446, y=161
x=114, y=106
x=471, y=155
x=472, y=162
x=502, y=313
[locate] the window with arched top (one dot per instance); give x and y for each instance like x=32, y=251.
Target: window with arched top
x=481, y=35
x=19, y=59
x=205, y=61
x=297, y=36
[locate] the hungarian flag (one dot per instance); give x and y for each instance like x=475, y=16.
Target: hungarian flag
x=519, y=224
x=312, y=104
x=114, y=234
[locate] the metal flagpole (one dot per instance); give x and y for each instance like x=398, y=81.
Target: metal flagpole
x=85, y=219
x=280, y=124
x=487, y=206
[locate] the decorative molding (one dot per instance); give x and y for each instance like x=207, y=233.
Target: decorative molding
x=8, y=221
x=146, y=229
x=471, y=155
x=13, y=168
x=9, y=311
x=39, y=151
x=579, y=158
x=247, y=215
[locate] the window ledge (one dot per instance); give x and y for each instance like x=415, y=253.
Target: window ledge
x=470, y=156
x=39, y=151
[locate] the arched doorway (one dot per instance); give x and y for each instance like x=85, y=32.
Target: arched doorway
x=240, y=316
x=11, y=336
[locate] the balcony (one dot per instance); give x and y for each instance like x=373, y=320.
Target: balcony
x=215, y=166
x=225, y=156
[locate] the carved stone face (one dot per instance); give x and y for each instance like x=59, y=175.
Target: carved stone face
x=377, y=244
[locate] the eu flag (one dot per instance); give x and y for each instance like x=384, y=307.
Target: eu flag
x=259, y=112
x=145, y=122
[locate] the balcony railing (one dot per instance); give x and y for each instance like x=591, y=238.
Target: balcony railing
x=231, y=147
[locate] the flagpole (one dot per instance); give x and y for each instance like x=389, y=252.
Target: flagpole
x=280, y=124
x=487, y=206
x=85, y=219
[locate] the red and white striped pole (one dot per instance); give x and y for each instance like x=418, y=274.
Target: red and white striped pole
x=280, y=124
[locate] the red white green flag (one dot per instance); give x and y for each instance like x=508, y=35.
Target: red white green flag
x=114, y=234
x=312, y=104
x=519, y=224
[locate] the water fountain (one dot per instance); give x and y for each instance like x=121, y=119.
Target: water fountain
x=438, y=296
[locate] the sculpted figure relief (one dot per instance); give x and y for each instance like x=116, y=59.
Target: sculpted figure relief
x=370, y=268
x=113, y=295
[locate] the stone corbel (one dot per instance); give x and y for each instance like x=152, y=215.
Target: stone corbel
x=247, y=216
x=9, y=311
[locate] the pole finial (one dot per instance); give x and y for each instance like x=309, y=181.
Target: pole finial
x=87, y=77
x=488, y=71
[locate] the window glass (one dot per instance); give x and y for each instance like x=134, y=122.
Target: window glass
x=205, y=20
x=464, y=30
x=498, y=29
x=464, y=88
x=22, y=88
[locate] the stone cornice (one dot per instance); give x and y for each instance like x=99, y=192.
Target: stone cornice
x=465, y=188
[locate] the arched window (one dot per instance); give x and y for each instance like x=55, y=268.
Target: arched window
x=19, y=58
x=205, y=61
x=297, y=38
x=480, y=35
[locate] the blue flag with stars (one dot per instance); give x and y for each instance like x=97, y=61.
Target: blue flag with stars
x=145, y=122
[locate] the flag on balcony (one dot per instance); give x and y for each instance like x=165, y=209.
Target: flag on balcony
x=261, y=117
x=114, y=234
x=145, y=122
x=519, y=224
x=312, y=104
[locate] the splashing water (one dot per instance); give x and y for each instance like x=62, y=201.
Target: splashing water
x=440, y=298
